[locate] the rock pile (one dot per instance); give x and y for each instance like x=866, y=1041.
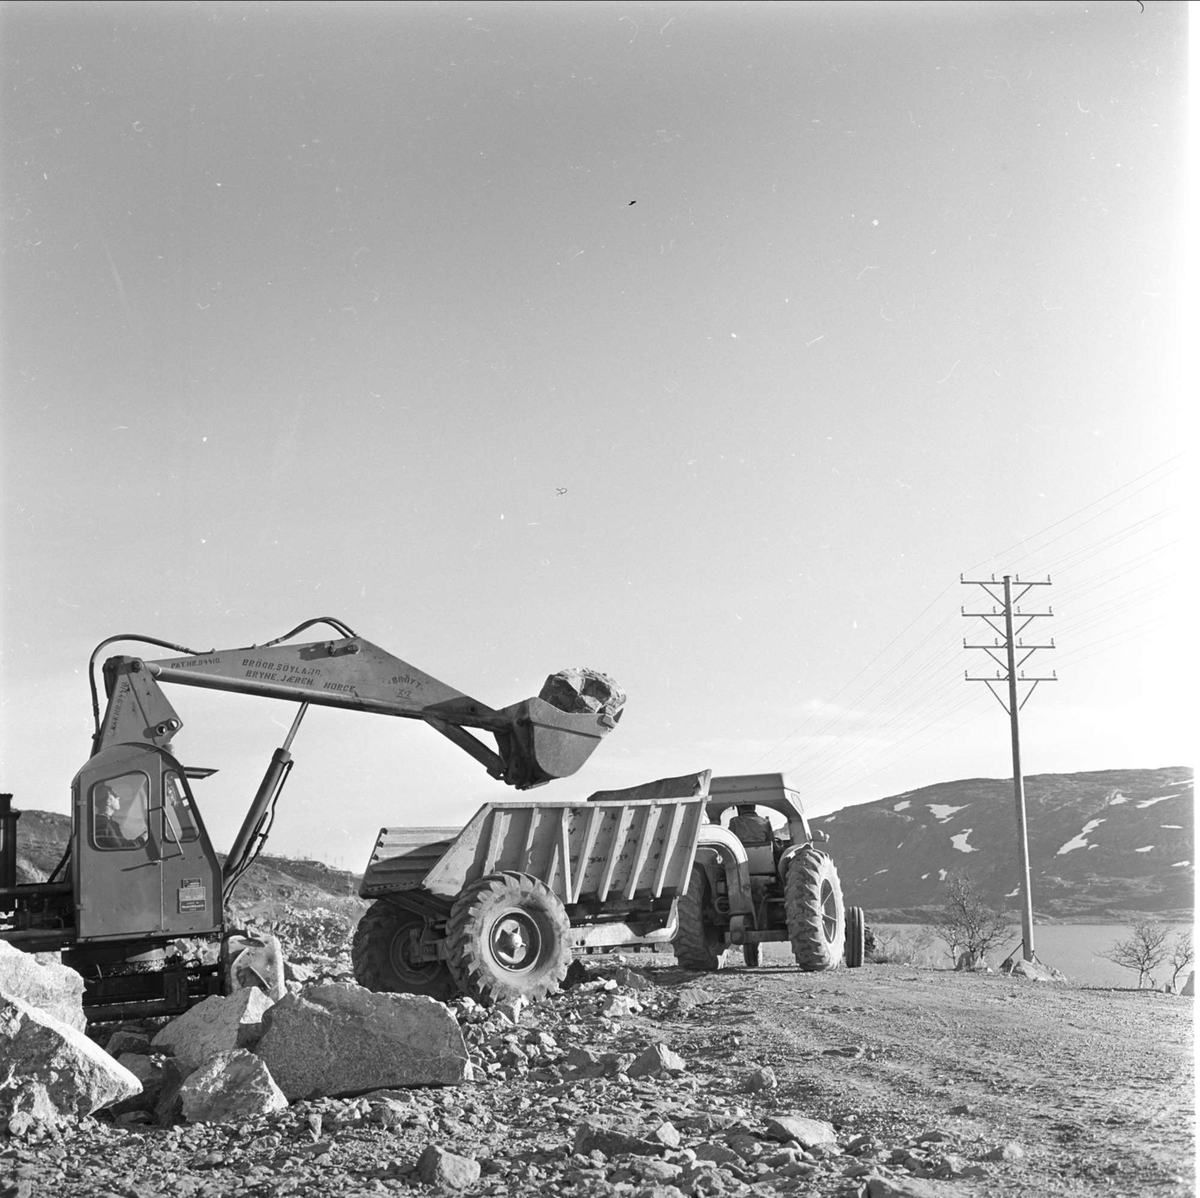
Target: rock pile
x=608, y=1088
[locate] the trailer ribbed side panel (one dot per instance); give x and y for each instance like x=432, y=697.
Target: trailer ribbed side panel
x=584, y=852
x=403, y=856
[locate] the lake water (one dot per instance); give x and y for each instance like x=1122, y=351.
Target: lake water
x=1075, y=949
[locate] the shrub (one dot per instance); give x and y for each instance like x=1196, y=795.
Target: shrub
x=966, y=922
x=1144, y=950
x=903, y=946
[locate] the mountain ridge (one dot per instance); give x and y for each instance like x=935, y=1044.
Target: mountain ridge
x=1103, y=845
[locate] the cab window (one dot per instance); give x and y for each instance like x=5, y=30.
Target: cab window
x=118, y=811
x=180, y=822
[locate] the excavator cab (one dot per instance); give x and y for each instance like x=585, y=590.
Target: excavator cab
x=145, y=867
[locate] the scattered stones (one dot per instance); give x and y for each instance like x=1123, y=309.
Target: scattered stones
x=618, y=1005
x=123, y=1041
x=149, y=1072
x=761, y=1079
x=439, y=1167
x=338, y=1039
x=1009, y=1151
x=897, y=1187
x=657, y=1061
x=579, y=1097
x=1034, y=971
x=598, y=1134
x=806, y=1132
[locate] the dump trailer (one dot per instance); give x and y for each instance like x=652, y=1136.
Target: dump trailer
x=495, y=909
x=140, y=876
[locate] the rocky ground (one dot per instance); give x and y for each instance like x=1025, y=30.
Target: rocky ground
x=644, y=1080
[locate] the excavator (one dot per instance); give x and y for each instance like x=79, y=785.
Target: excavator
x=140, y=876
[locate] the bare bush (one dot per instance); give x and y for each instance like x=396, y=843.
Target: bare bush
x=903, y=946
x=1143, y=951
x=967, y=923
x=1182, y=955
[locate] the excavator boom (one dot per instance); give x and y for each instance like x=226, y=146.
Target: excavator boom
x=536, y=741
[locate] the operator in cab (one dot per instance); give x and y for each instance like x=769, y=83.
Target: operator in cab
x=107, y=806
x=750, y=827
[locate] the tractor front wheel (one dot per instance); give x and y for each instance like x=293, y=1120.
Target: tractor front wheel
x=508, y=937
x=386, y=954
x=698, y=943
x=816, y=919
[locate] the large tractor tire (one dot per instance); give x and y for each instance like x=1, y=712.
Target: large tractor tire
x=856, y=937
x=816, y=918
x=384, y=954
x=698, y=944
x=508, y=937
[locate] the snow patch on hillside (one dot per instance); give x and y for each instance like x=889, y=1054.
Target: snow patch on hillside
x=942, y=813
x=904, y=806
x=941, y=875
x=960, y=842
x=1176, y=864
x=1151, y=802
x=1144, y=849
x=1173, y=827
x=1081, y=841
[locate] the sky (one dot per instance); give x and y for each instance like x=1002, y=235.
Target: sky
x=706, y=345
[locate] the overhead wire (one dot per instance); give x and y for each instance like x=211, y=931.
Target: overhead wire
x=928, y=691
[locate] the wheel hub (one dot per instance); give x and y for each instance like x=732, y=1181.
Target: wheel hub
x=515, y=941
x=828, y=912
x=407, y=958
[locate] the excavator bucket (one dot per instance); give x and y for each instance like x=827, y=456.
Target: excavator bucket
x=545, y=743
x=553, y=735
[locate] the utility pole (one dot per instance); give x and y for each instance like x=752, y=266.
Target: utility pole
x=1015, y=621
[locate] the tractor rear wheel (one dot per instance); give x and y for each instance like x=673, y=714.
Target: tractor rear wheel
x=386, y=956
x=698, y=943
x=856, y=937
x=816, y=919
x=508, y=937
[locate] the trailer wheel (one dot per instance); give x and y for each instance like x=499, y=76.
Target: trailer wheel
x=752, y=955
x=385, y=958
x=856, y=939
x=508, y=937
x=816, y=919
x=698, y=944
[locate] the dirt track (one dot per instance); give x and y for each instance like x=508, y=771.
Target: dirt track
x=1096, y=1086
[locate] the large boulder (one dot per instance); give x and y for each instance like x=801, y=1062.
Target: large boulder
x=51, y=1071
x=46, y=985
x=230, y=1088
x=343, y=1040
x=218, y=1024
